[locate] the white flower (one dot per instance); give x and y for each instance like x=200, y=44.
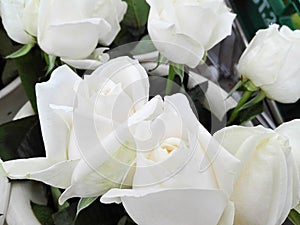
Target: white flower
x=267, y=186
x=19, y=18
x=184, y=30
x=103, y=130
x=76, y=114
x=182, y=176
x=54, y=101
x=270, y=62
x=72, y=28
x=291, y=131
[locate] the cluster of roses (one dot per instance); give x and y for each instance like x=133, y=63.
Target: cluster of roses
x=104, y=136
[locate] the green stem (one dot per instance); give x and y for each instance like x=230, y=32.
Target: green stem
x=240, y=104
x=170, y=80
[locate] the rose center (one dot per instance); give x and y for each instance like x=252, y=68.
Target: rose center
x=105, y=91
x=169, y=147
x=164, y=150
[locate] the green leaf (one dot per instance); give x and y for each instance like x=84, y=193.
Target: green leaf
x=124, y=37
x=31, y=68
x=84, y=203
x=7, y=46
x=179, y=70
x=294, y=217
x=145, y=45
x=235, y=112
x=160, y=59
x=50, y=61
x=42, y=213
x=98, y=213
x=9, y=71
x=250, y=86
x=21, y=52
x=21, y=139
x=197, y=98
x=170, y=81
x=137, y=14
x=65, y=216
x=56, y=193
x=204, y=56
x=258, y=98
x=123, y=220
x=248, y=114
x=236, y=87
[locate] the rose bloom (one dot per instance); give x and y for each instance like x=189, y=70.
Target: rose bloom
x=184, y=30
x=271, y=63
x=77, y=114
x=181, y=176
x=19, y=19
x=267, y=185
x=72, y=28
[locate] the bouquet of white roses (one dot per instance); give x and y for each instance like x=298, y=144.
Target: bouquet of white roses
x=117, y=114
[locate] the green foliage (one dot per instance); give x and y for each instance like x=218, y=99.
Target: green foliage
x=133, y=26
x=96, y=214
x=25, y=49
x=8, y=71
x=21, y=139
x=7, y=68
x=84, y=203
x=144, y=46
x=126, y=220
x=43, y=214
x=247, y=114
x=31, y=68
x=294, y=217
x=136, y=16
x=50, y=61
x=56, y=193
x=65, y=216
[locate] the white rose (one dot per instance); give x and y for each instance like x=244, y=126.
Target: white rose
x=19, y=18
x=267, y=186
x=67, y=104
x=72, y=28
x=270, y=62
x=184, y=30
x=181, y=175
x=291, y=130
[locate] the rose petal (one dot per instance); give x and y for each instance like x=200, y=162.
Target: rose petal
x=11, y=14
x=59, y=39
x=178, y=48
x=224, y=165
x=263, y=74
x=215, y=29
x=41, y=169
x=59, y=90
x=228, y=215
x=291, y=130
x=129, y=73
x=266, y=167
x=171, y=207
